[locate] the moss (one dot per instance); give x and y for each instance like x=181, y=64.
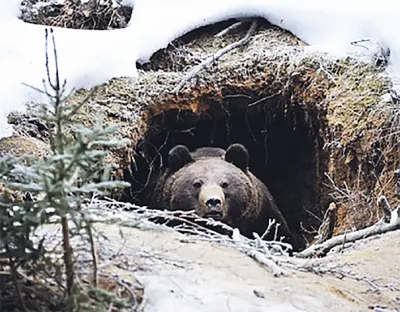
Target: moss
x=359, y=87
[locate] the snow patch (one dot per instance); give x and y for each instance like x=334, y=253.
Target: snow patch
x=89, y=57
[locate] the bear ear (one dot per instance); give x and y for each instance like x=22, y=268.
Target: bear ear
x=238, y=155
x=178, y=157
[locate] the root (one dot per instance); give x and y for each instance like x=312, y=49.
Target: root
x=191, y=74
x=389, y=222
x=229, y=29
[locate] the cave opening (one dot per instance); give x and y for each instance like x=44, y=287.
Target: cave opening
x=284, y=141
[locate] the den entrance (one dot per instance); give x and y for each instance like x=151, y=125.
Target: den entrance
x=284, y=141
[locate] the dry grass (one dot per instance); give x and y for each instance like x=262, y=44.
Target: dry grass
x=356, y=209
x=94, y=14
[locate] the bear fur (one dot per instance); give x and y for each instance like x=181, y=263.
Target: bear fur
x=218, y=184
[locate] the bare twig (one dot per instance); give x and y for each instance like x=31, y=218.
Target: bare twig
x=192, y=73
x=264, y=99
x=357, y=203
x=265, y=258
x=131, y=292
x=94, y=256
x=229, y=29
x=271, y=223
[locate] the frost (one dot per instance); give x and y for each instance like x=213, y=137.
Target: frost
x=87, y=58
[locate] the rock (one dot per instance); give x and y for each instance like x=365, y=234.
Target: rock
x=22, y=146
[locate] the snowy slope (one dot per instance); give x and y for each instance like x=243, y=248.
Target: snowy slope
x=88, y=58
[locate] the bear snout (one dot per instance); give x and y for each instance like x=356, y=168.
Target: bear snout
x=212, y=201
x=214, y=206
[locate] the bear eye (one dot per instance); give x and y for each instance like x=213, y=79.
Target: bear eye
x=224, y=184
x=197, y=184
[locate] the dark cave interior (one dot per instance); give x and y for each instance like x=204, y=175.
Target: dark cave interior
x=284, y=143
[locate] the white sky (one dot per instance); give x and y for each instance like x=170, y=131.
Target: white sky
x=89, y=57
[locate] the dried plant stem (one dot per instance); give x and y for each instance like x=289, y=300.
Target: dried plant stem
x=94, y=255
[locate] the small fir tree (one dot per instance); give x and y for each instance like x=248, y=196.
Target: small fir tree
x=58, y=185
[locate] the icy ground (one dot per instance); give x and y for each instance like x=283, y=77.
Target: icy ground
x=88, y=57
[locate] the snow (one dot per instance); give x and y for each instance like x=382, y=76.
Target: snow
x=88, y=57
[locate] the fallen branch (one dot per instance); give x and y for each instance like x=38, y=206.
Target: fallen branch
x=229, y=29
x=269, y=263
x=192, y=73
x=266, y=258
x=390, y=222
x=270, y=254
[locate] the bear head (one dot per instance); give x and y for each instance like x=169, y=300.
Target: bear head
x=213, y=182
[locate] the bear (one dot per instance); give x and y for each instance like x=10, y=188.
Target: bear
x=217, y=184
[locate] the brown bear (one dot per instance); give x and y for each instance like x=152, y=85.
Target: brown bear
x=218, y=184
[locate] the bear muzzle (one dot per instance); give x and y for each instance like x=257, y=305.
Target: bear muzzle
x=212, y=200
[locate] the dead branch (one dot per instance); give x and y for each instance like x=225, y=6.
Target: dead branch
x=325, y=231
x=386, y=224
x=266, y=253
x=229, y=29
x=266, y=258
x=131, y=293
x=192, y=73
x=271, y=223
x=269, y=263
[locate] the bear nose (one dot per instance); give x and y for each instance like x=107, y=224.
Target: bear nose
x=213, y=202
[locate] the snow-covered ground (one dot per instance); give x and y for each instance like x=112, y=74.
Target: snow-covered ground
x=89, y=57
